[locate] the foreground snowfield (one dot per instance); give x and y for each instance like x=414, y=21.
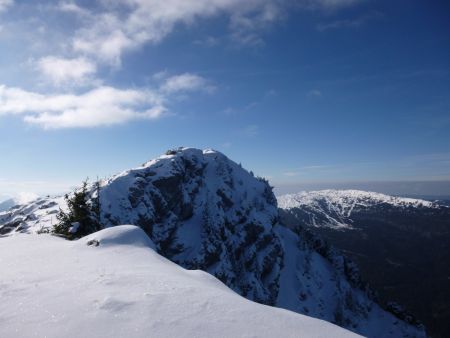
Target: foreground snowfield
x=50, y=287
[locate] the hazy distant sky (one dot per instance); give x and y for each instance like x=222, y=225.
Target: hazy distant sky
x=302, y=92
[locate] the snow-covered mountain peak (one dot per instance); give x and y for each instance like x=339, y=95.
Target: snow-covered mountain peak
x=184, y=154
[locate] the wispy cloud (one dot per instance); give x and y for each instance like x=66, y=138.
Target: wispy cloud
x=72, y=7
x=209, y=41
x=246, y=28
x=5, y=4
x=330, y=5
x=314, y=93
x=120, y=26
x=251, y=130
x=123, y=26
x=61, y=71
x=185, y=83
x=349, y=23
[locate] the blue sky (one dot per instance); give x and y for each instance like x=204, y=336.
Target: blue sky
x=308, y=92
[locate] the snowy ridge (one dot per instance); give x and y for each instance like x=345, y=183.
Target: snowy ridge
x=346, y=200
x=203, y=211
x=119, y=287
x=333, y=208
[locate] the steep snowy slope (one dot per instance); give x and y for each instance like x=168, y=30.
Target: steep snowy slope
x=119, y=287
x=401, y=245
x=204, y=211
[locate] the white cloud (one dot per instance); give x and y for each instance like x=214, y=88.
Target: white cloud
x=72, y=7
x=100, y=106
x=5, y=4
x=126, y=25
x=186, y=82
x=66, y=71
x=246, y=28
x=117, y=26
x=105, y=41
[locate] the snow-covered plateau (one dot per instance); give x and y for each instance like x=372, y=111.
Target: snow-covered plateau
x=205, y=212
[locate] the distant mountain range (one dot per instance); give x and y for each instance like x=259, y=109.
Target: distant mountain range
x=401, y=245
x=204, y=211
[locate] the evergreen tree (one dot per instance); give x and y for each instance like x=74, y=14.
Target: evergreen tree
x=82, y=217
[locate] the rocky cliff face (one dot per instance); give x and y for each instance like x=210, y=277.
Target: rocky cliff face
x=204, y=211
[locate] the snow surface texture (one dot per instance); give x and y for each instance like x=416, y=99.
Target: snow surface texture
x=332, y=208
x=203, y=211
x=120, y=287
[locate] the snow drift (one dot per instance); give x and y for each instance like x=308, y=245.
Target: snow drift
x=120, y=287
